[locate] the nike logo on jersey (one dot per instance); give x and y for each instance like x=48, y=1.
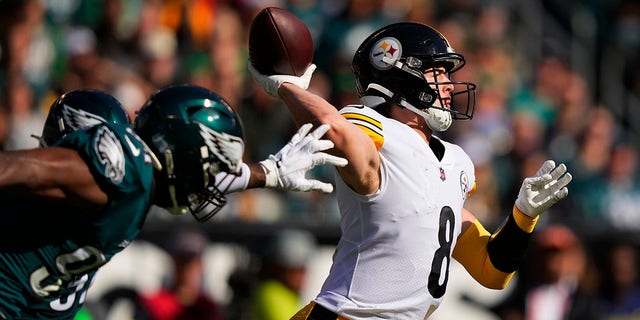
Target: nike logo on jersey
x=227, y=148
x=149, y=157
x=134, y=150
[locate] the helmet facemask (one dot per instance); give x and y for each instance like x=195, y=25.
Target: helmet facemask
x=425, y=99
x=203, y=204
x=207, y=203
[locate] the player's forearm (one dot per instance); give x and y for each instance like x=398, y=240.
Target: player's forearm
x=251, y=176
x=350, y=142
x=257, y=176
x=306, y=107
x=31, y=170
x=14, y=169
x=508, y=245
x=54, y=173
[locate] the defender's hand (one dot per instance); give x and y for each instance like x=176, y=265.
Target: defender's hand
x=41, y=283
x=272, y=83
x=286, y=170
x=546, y=187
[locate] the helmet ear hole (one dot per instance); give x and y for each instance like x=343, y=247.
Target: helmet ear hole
x=426, y=97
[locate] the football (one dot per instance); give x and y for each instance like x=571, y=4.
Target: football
x=279, y=43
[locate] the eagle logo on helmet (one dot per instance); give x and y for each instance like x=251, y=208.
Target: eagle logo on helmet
x=227, y=148
x=388, y=47
x=78, y=119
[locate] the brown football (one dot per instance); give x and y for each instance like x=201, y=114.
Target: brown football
x=279, y=43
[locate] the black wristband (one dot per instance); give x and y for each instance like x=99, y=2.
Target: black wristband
x=507, y=247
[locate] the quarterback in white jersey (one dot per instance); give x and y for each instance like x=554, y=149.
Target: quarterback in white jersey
x=397, y=241
x=401, y=196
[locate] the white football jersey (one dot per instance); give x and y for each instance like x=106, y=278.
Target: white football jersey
x=392, y=261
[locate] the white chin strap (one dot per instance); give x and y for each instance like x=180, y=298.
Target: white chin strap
x=437, y=119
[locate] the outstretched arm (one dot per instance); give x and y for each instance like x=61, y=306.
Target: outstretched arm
x=351, y=143
x=286, y=170
x=52, y=173
x=492, y=259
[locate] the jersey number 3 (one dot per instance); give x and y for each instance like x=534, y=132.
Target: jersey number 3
x=442, y=256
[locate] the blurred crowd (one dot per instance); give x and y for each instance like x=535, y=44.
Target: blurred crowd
x=556, y=79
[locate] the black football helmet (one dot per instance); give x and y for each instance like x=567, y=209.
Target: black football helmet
x=78, y=109
x=195, y=134
x=390, y=65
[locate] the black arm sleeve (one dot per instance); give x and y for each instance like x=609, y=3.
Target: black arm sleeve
x=507, y=247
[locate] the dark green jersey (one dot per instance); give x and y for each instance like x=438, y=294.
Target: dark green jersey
x=49, y=261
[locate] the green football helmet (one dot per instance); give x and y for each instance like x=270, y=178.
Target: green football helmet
x=79, y=109
x=195, y=134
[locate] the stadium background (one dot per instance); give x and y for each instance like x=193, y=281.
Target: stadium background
x=558, y=79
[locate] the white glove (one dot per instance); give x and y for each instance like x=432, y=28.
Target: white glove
x=37, y=281
x=286, y=170
x=272, y=83
x=546, y=187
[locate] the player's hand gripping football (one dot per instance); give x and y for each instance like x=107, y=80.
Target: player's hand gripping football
x=272, y=83
x=286, y=170
x=546, y=187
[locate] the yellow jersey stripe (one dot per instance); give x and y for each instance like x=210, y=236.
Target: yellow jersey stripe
x=372, y=127
x=352, y=116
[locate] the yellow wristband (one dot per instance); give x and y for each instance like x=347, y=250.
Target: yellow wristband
x=524, y=222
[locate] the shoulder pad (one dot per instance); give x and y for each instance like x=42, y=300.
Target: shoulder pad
x=368, y=120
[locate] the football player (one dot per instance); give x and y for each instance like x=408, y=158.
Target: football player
x=73, y=204
x=402, y=194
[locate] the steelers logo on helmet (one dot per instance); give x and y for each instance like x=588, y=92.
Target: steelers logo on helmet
x=389, y=48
